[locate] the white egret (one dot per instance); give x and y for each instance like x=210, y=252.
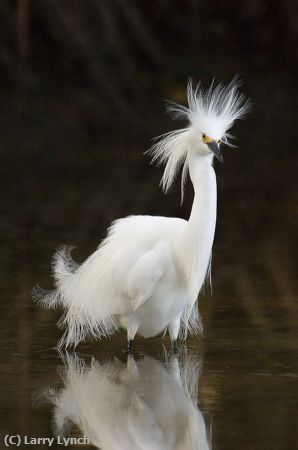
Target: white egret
x=146, y=275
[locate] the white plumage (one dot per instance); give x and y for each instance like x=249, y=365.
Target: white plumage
x=146, y=275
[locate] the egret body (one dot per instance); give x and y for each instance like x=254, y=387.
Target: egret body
x=146, y=275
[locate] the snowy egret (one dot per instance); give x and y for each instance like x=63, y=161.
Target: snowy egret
x=143, y=404
x=146, y=275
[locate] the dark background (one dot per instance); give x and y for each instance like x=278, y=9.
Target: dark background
x=83, y=85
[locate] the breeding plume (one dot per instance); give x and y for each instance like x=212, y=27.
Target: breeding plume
x=146, y=275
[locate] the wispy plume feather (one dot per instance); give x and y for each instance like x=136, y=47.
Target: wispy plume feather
x=171, y=149
x=218, y=102
x=214, y=108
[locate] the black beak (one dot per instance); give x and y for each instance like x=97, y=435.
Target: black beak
x=214, y=147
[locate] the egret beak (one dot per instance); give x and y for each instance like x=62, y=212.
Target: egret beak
x=214, y=147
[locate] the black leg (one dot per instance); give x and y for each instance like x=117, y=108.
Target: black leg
x=130, y=345
x=175, y=346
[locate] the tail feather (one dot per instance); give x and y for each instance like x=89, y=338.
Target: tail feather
x=82, y=326
x=80, y=318
x=63, y=266
x=45, y=298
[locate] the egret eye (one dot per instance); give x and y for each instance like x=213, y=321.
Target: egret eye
x=219, y=141
x=203, y=136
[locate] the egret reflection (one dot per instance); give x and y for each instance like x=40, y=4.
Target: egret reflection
x=141, y=404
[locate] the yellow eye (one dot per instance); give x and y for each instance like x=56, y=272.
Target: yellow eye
x=204, y=136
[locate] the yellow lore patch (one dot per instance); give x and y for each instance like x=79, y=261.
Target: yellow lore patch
x=206, y=139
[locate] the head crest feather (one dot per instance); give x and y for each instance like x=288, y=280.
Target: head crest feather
x=219, y=105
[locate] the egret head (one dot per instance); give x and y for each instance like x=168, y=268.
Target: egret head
x=210, y=114
x=210, y=144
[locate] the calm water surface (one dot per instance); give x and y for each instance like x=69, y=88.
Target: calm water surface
x=237, y=387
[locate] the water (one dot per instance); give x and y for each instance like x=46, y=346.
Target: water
x=237, y=387
x=247, y=385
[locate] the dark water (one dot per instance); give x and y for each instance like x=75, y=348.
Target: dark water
x=247, y=385
x=244, y=378
x=235, y=388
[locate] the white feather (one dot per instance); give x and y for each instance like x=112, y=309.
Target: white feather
x=212, y=111
x=146, y=275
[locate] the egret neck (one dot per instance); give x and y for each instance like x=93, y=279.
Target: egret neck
x=194, y=245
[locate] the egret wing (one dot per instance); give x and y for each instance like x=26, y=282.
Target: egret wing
x=143, y=278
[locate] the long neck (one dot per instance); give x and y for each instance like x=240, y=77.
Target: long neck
x=203, y=213
x=195, y=243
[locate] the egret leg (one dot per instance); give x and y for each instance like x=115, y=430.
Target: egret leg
x=173, y=328
x=175, y=346
x=131, y=332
